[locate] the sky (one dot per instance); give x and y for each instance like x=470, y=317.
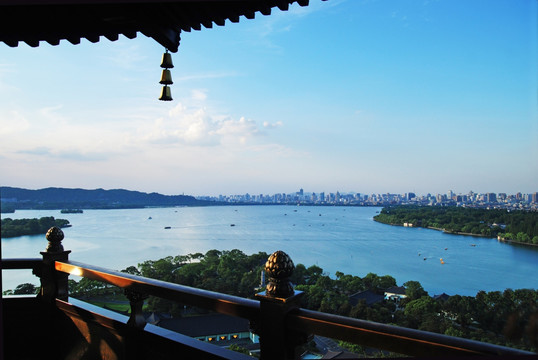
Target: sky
x=351, y=96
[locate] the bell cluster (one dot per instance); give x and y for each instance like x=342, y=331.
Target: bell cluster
x=166, y=77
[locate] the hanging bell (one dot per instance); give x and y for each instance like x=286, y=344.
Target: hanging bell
x=166, y=77
x=166, y=94
x=166, y=63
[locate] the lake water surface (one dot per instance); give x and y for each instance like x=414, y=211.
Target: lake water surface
x=342, y=239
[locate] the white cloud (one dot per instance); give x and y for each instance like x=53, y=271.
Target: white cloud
x=198, y=94
x=6, y=87
x=12, y=122
x=53, y=114
x=70, y=154
x=198, y=127
x=269, y=125
x=237, y=131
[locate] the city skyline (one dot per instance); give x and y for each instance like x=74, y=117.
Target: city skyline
x=366, y=96
x=450, y=194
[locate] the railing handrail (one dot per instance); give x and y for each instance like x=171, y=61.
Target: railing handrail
x=391, y=337
x=210, y=300
x=383, y=336
x=20, y=263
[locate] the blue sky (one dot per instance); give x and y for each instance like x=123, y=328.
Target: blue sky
x=350, y=96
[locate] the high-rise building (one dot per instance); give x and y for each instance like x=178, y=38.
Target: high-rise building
x=535, y=197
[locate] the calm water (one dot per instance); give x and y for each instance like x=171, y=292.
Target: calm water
x=334, y=238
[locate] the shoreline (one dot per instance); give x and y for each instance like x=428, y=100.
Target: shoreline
x=464, y=234
x=459, y=233
x=509, y=241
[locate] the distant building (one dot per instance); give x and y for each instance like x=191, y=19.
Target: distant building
x=368, y=296
x=218, y=328
x=491, y=198
x=395, y=293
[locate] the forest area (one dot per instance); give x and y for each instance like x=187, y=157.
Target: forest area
x=519, y=225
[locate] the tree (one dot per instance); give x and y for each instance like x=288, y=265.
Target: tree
x=131, y=270
x=313, y=273
x=299, y=275
x=461, y=308
x=25, y=289
x=421, y=311
x=414, y=291
x=239, y=349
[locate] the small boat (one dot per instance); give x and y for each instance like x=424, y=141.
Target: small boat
x=167, y=227
x=150, y=218
x=473, y=244
x=232, y=224
x=425, y=259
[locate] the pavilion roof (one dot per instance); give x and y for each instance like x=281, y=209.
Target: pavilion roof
x=33, y=21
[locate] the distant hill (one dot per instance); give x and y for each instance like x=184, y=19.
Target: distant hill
x=61, y=198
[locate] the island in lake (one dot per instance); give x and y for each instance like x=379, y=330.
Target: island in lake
x=21, y=227
x=71, y=211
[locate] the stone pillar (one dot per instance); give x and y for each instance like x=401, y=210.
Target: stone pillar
x=279, y=298
x=53, y=283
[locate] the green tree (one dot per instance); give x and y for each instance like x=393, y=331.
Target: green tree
x=26, y=289
x=239, y=349
x=421, y=310
x=313, y=273
x=132, y=270
x=414, y=290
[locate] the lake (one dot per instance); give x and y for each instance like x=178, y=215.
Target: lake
x=342, y=239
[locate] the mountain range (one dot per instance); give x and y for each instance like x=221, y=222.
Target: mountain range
x=13, y=198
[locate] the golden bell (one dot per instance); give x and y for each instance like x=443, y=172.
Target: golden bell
x=166, y=94
x=167, y=61
x=166, y=77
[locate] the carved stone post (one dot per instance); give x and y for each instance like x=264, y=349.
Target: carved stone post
x=53, y=283
x=136, y=300
x=279, y=298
